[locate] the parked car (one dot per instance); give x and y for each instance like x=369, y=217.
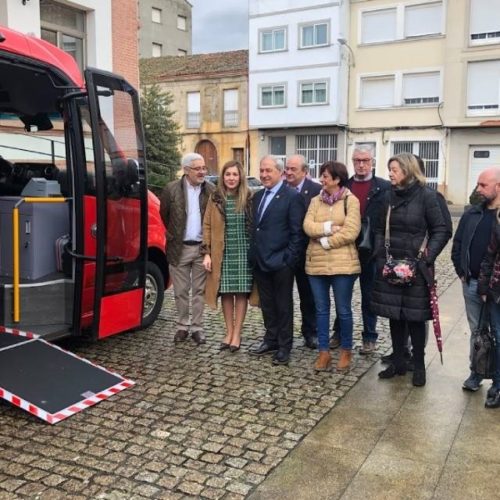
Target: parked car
x=253, y=183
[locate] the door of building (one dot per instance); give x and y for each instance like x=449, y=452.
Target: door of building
x=206, y=149
x=481, y=157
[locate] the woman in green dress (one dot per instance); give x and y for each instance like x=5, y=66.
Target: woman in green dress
x=226, y=229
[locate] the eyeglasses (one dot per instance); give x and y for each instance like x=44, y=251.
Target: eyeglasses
x=361, y=160
x=198, y=169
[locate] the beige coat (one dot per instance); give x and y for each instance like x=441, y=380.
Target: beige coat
x=340, y=255
x=214, y=227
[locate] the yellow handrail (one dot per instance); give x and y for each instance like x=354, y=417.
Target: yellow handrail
x=15, y=248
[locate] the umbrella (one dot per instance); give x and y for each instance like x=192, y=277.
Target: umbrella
x=433, y=302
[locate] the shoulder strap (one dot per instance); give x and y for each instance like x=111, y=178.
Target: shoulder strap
x=345, y=205
x=387, y=239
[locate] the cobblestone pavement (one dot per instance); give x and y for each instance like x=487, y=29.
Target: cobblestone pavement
x=198, y=422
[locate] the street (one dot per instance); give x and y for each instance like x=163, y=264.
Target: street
x=198, y=421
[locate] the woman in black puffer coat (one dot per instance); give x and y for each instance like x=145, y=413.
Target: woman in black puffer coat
x=415, y=212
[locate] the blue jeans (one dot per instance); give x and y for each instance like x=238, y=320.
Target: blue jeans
x=341, y=285
x=473, y=305
x=366, y=281
x=495, y=329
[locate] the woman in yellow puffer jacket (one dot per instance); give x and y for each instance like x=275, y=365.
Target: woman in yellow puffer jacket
x=333, y=223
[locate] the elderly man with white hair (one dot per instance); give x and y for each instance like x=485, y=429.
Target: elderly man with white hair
x=183, y=204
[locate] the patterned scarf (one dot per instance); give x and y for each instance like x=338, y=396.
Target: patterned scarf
x=330, y=199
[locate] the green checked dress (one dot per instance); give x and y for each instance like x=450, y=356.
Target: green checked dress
x=236, y=275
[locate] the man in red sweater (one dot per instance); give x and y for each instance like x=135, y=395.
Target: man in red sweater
x=370, y=191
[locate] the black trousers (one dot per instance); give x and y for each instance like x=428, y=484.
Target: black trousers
x=416, y=329
x=307, y=307
x=276, y=302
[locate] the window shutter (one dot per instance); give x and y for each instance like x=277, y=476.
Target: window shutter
x=378, y=26
x=421, y=86
x=377, y=92
x=193, y=102
x=231, y=100
x=484, y=16
x=483, y=83
x=423, y=19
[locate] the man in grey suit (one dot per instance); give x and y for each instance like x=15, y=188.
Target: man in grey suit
x=296, y=171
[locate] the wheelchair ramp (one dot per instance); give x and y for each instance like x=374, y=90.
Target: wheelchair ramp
x=49, y=382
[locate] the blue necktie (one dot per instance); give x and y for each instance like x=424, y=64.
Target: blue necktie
x=260, y=211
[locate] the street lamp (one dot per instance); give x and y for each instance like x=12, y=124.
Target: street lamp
x=343, y=41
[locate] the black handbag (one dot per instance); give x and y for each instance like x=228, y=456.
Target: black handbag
x=483, y=349
x=364, y=242
x=400, y=272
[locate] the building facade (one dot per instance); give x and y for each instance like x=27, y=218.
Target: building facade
x=165, y=28
x=297, y=79
x=425, y=78
x=210, y=94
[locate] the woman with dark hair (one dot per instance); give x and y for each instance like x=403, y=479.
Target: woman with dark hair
x=226, y=229
x=412, y=213
x=333, y=223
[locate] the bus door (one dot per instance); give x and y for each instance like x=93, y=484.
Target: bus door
x=115, y=226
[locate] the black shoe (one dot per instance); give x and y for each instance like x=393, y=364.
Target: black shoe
x=223, y=346
x=262, y=348
x=281, y=357
x=492, y=391
x=198, y=337
x=419, y=377
x=310, y=341
x=234, y=348
x=387, y=359
x=392, y=371
x=493, y=402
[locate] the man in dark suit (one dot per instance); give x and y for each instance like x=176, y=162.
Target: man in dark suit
x=296, y=177
x=276, y=247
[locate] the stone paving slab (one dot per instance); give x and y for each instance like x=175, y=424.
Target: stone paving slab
x=198, y=422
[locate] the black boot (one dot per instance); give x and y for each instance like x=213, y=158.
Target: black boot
x=392, y=370
x=419, y=377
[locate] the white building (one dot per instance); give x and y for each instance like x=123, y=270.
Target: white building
x=298, y=75
x=80, y=27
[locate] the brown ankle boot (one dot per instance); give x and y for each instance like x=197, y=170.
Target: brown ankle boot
x=323, y=362
x=345, y=360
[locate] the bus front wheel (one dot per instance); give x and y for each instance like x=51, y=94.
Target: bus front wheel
x=153, y=294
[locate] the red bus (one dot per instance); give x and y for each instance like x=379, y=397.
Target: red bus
x=82, y=244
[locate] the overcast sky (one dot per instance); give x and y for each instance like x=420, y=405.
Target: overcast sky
x=219, y=25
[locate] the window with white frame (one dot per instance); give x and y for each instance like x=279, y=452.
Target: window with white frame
x=401, y=22
x=484, y=22
x=400, y=89
x=314, y=34
x=156, y=49
x=379, y=25
x=423, y=19
x=377, y=91
x=428, y=151
x=421, y=88
x=231, y=115
x=313, y=93
x=272, y=95
x=483, y=88
x=272, y=39
x=181, y=52
x=156, y=15
x=316, y=148
x=64, y=27
x=181, y=23
x=193, y=110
